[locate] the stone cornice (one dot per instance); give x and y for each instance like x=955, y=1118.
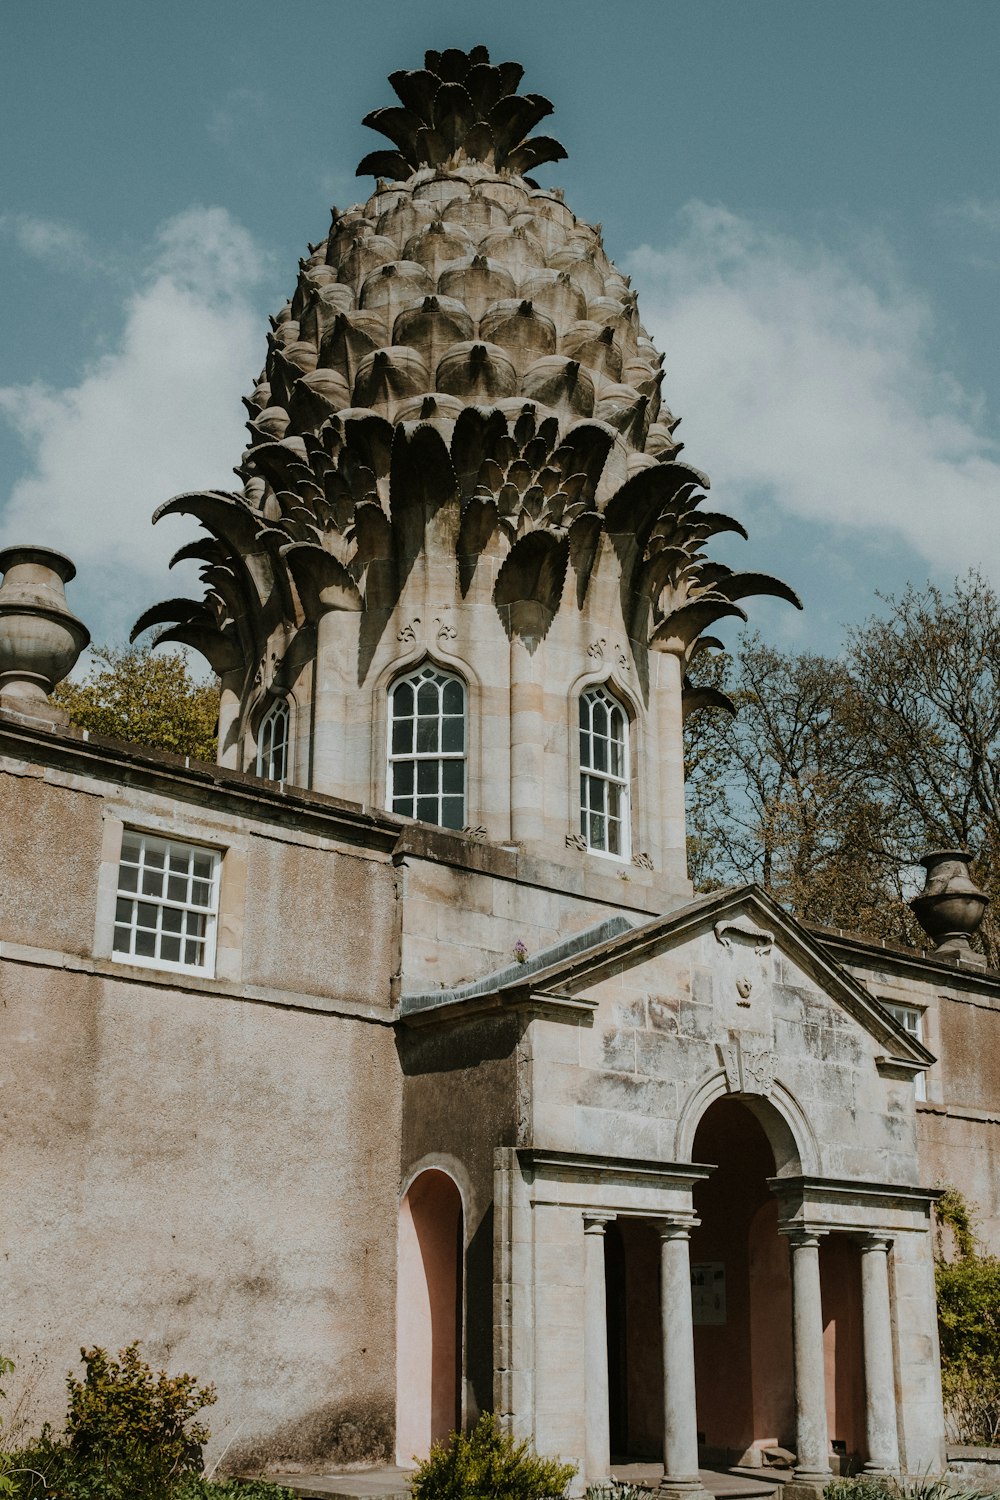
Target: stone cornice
x=76, y=752
x=582, y=1165
x=846, y=1189
x=871, y=953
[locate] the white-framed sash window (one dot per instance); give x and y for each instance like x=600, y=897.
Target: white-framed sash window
x=167, y=904
x=604, y=774
x=427, y=747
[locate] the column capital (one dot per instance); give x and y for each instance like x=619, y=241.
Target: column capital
x=803, y=1236
x=875, y=1239
x=597, y=1223
x=677, y=1227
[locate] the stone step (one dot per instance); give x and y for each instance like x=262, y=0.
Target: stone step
x=393, y=1484
x=362, y=1484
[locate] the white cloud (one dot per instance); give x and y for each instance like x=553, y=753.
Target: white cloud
x=47, y=239
x=984, y=213
x=809, y=381
x=158, y=414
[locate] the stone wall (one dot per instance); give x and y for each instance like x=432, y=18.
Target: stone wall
x=201, y=1162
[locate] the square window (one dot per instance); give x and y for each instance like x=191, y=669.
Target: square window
x=163, y=916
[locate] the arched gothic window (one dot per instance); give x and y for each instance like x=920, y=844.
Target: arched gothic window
x=604, y=774
x=426, y=774
x=273, y=742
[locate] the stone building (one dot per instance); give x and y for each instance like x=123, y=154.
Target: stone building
x=391, y=1070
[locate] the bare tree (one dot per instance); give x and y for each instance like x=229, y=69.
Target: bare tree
x=834, y=776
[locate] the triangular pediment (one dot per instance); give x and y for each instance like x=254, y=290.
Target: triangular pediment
x=745, y=940
x=747, y=955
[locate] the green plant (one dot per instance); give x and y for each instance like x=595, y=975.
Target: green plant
x=487, y=1464
x=968, y=1302
x=121, y=1409
x=190, y=1487
x=868, y=1487
x=615, y=1491
x=952, y=1210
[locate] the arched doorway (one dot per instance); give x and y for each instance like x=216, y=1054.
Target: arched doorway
x=429, y=1297
x=743, y=1297
x=742, y=1292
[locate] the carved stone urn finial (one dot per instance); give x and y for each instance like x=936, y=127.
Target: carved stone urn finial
x=951, y=906
x=40, y=638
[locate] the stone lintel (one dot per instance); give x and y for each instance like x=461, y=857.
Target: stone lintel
x=584, y=1166
x=813, y=1193
x=901, y=1068
x=515, y=998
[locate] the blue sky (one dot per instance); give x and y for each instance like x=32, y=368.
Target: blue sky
x=805, y=194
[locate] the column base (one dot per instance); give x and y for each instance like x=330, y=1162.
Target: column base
x=682, y=1489
x=806, y=1486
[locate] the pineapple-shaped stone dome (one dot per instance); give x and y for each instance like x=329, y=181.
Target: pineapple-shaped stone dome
x=460, y=368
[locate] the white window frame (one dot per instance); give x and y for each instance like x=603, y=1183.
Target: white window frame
x=267, y=745
x=168, y=899
x=400, y=757
x=606, y=780
x=911, y=1018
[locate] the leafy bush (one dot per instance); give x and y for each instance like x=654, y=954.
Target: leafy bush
x=870, y=1487
x=968, y=1301
x=192, y=1488
x=487, y=1464
x=122, y=1410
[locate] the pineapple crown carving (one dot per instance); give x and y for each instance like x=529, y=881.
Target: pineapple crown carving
x=460, y=366
x=460, y=107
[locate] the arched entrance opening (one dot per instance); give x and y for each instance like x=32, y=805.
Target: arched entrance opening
x=429, y=1298
x=742, y=1292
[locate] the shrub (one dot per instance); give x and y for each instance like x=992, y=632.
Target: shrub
x=192, y=1488
x=129, y=1434
x=122, y=1410
x=968, y=1300
x=870, y=1487
x=487, y=1464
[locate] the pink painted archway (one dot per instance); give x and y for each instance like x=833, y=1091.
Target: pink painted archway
x=428, y=1315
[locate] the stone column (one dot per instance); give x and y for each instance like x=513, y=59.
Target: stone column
x=880, y=1392
x=680, y=1414
x=527, y=744
x=595, y=1345
x=670, y=738
x=812, y=1438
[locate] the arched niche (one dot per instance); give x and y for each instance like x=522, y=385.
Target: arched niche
x=429, y=1298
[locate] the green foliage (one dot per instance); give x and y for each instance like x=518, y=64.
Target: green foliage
x=968, y=1303
x=952, y=1210
x=144, y=697
x=130, y=1435
x=193, y=1488
x=487, y=1464
x=968, y=1294
x=52, y=1471
x=870, y=1487
x=121, y=1407
x=615, y=1491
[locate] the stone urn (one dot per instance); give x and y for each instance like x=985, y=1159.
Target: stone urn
x=951, y=906
x=40, y=637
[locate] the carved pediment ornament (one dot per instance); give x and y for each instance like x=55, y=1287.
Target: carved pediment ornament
x=763, y=941
x=748, y=1070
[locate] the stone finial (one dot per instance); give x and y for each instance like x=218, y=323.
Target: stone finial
x=40, y=638
x=951, y=906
